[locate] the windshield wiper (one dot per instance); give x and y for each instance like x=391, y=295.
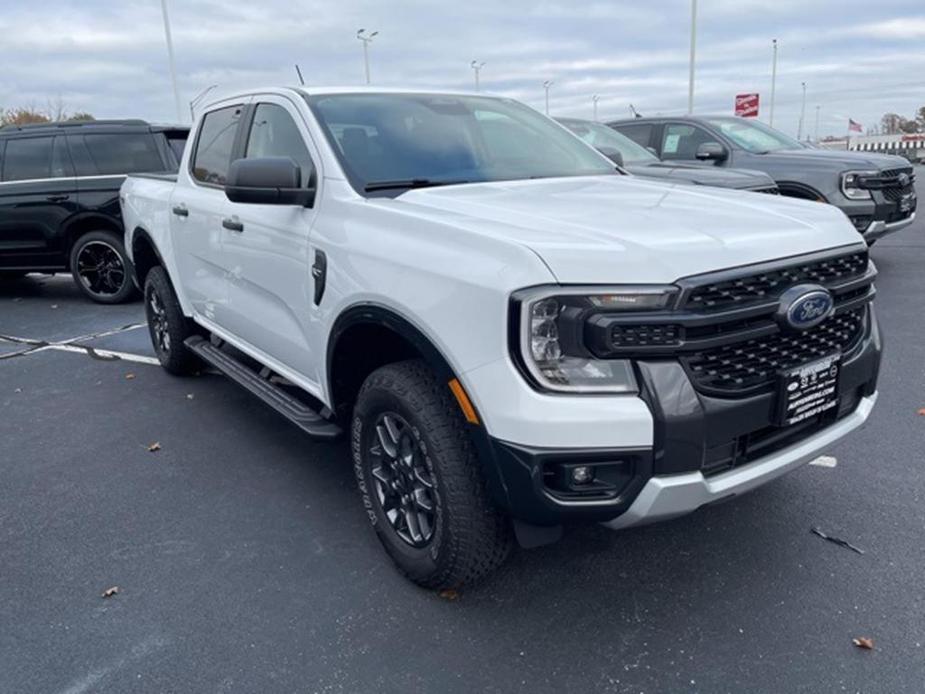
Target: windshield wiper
x=411, y=183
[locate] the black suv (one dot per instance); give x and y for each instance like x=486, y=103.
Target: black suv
x=59, y=197
x=876, y=191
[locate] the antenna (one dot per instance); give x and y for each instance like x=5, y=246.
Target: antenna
x=635, y=113
x=299, y=73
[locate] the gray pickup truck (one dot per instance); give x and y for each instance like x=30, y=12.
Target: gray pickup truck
x=876, y=191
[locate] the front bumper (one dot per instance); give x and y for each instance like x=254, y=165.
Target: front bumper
x=880, y=228
x=667, y=497
x=702, y=448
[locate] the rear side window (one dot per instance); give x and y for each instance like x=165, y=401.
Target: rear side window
x=115, y=153
x=274, y=134
x=27, y=158
x=640, y=134
x=214, y=145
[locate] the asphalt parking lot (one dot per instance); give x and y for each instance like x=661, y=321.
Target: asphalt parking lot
x=244, y=562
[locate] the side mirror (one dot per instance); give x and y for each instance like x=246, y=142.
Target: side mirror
x=613, y=154
x=711, y=151
x=267, y=181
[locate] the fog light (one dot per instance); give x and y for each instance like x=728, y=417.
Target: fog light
x=582, y=474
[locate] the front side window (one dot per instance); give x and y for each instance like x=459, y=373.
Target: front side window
x=214, y=146
x=115, y=153
x=274, y=134
x=753, y=136
x=397, y=141
x=28, y=158
x=680, y=141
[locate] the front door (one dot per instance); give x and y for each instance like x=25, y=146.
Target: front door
x=269, y=258
x=38, y=194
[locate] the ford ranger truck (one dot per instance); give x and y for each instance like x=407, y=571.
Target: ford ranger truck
x=512, y=335
x=876, y=191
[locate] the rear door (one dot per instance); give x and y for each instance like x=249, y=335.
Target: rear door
x=198, y=208
x=38, y=193
x=104, y=158
x=269, y=258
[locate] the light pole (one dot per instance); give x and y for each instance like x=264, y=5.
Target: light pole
x=773, y=80
x=476, y=68
x=690, y=88
x=816, y=136
x=802, y=113
x=594, y=100
x=366, y=39
x=170, y=62
x=546, y=85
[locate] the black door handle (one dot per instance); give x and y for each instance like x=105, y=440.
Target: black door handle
x=232, y=224
x=180, y=211
x=57, y=198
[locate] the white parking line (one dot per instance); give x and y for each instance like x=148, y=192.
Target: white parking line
x=34, y=346
x=104, y=354
x=824, y=461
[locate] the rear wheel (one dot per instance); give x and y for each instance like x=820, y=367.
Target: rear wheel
x=421, y=482
x=167, y=325
x=102, y=269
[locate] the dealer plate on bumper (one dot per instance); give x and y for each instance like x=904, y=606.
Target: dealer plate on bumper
x=808, y=390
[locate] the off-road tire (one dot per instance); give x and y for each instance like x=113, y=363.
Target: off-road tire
x=163, y=312
x=471, y=537
x=119, y=284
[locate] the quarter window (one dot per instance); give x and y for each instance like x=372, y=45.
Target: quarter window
x=113, y=154
x=275, y=134
x=28, y=158
x=640, y=134
x=214, y=146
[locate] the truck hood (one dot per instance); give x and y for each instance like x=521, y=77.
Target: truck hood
x=699, y=175
x=838, y=160
x=621, y=229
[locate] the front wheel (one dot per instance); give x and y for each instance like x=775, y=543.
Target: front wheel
x=420, y=479
x=101, y=268
x=167, y=325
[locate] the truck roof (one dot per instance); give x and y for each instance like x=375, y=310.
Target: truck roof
x=89, y=124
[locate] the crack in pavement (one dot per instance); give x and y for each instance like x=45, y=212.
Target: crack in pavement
x=71, y=345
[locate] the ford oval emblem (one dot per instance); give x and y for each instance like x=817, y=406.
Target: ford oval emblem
x=804, y=307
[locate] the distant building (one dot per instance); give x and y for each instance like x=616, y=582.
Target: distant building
x=905, y=145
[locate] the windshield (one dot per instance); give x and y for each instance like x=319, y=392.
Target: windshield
x=754, y=136
x=398, y=141
x=603, y=137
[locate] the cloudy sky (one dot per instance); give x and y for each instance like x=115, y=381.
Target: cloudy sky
x=858, y=58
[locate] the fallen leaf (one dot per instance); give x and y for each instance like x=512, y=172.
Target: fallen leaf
x=863, y=642
x=129, y=377
x=109, y=592
x=189, y=396
x=449, y=594
x=154, y=447
x=922, y=412
x=54, y=305
x=18, y=390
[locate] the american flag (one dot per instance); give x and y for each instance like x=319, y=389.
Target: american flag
x=854, y=127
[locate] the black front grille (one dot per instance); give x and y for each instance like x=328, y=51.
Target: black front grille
x=627, y=336
x=759, y=287
x=890, y=184
x=747, y=366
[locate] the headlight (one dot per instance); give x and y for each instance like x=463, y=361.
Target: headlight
x=851, y=184
x=551, y=326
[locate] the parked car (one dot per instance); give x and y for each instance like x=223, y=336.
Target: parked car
x=639, y=161
x=59, y=197
x=511, y=333
x=876, y=191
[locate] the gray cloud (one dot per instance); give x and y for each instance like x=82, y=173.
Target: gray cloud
x=858, y=59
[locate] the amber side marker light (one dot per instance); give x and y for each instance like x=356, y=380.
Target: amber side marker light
x=464, y=404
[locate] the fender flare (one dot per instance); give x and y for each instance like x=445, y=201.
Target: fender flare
x=377, y=314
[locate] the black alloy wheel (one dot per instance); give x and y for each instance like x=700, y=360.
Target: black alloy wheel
x=101, y=268
x=404, y=485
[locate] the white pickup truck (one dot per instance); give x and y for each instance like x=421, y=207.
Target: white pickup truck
x=513, y=334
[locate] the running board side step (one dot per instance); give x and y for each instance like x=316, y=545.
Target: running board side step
x=296, y=411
